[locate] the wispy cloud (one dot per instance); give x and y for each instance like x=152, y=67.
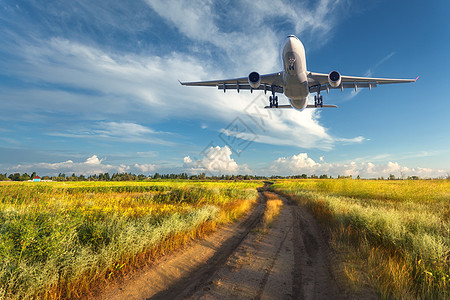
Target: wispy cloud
x=92, y=165
x=253, y=41
x=118, y=131
x=69, y=78
x=369, y=73
x=140, y=87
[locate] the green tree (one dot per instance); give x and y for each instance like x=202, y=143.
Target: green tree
x=14, y=177
x=24, y=177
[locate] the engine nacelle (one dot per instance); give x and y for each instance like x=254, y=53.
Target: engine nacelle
x=334, y=79
x=254, y=79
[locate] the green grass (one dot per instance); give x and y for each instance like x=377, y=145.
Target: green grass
x=394, y=235
x=57, y=240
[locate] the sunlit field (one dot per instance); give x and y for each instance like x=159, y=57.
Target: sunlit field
x=393, y=235
x=58, y=240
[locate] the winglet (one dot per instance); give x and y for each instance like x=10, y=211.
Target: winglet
x=182, y=83
x=416, y=79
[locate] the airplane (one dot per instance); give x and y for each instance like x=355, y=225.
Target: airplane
x=295, y=81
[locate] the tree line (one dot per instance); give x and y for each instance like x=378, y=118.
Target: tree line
x=185, y=176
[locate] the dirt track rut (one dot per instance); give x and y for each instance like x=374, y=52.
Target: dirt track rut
x=290, y=261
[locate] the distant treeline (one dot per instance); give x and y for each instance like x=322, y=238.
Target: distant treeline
x=185, y=176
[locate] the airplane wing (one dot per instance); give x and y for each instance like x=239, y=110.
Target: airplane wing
x=318, y=81
x=268, y=81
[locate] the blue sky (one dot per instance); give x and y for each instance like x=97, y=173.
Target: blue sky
x=90, y=87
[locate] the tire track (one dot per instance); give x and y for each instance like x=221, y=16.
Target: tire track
x=267, y=274
x=290, y=261
x=187, y=286
x=180, y=274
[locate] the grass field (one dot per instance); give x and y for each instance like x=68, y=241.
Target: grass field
x=58, y=240
x=392, y=235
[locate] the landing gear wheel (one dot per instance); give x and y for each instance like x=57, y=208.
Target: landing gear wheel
x=318, y=101
x=273, y=100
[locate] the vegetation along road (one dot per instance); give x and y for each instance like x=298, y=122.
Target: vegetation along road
x=294, y=239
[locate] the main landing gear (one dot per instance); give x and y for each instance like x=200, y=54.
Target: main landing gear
x=318, y=101
x=273, y=100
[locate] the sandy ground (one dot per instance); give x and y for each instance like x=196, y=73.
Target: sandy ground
x=240, y=261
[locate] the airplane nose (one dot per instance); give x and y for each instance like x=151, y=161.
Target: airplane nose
x=288, y=42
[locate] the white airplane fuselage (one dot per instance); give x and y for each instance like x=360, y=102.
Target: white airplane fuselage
x=295, y=81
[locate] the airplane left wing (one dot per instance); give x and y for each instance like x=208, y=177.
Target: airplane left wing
x=268, y=81
x=318, y=81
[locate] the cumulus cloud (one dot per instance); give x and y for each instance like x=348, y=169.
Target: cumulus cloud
x=215, y=161
x=302, y=164
x=145, y=168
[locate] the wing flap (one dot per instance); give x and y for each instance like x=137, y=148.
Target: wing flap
x=246, y=86
x=267, y=81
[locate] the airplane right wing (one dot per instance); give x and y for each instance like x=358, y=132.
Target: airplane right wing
x=268, y=81
x=318, y=81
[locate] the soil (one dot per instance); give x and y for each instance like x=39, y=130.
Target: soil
x=291, y=260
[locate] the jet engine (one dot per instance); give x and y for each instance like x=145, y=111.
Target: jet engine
x=254, y=79
x=334, y=78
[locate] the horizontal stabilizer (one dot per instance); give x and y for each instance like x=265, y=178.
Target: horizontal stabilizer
x=308, y=106
x=312, y=106
x=279, y=106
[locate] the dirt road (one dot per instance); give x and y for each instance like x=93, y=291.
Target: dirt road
x=240, y=261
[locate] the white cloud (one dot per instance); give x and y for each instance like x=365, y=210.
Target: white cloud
x=123, y=168
x=302, y=164
x=145, y=168
x=105, y=84
x=252, y=25
x=92, y=165
x=125, y=84
x=93, y=160
x=117, y=131
x=216, y=161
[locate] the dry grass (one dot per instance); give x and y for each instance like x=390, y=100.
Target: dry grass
x=59, y=240
x=392, y=235
x=273, y=206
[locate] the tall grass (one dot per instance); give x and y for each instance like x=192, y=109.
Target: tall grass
x=398, y=231
x=273, y=207
x=58, y=239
